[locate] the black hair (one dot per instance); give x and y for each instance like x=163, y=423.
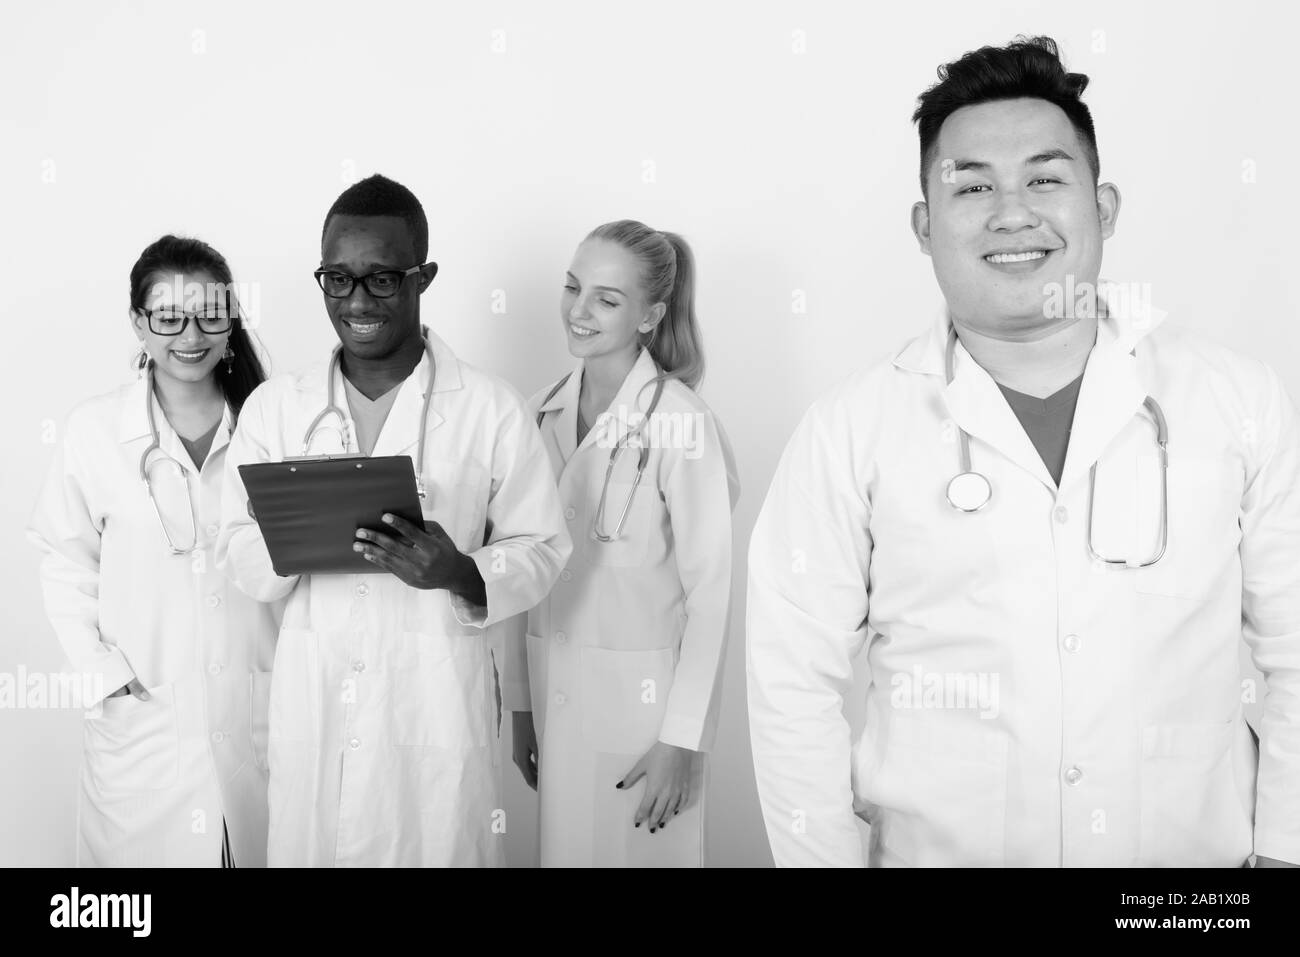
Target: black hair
x=179, y=254
x=1026, y=67
x=380, y=196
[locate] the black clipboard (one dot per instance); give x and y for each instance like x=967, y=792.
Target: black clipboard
x=309, y=509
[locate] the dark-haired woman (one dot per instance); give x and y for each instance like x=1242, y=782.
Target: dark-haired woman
x=174, y=744
x=624, y=656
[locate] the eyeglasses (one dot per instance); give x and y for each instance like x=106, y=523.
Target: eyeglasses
x=382, y=284
x=172, y=322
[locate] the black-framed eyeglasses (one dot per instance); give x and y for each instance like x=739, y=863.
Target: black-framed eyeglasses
x=382, y=284
x=172, y=322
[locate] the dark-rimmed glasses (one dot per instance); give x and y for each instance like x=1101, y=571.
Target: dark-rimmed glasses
x=381, y=284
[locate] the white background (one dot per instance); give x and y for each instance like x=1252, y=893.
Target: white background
x=774, y=136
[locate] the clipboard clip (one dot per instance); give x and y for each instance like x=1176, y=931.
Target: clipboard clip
x=320, y=458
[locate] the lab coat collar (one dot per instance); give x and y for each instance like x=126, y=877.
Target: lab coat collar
x=1111, y=393
x=133, y=422
x=631, y=396
x=401, y=430
x=1124, y=325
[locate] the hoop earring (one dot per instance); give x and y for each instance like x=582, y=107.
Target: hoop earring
x=229, y=357
x=141, y=363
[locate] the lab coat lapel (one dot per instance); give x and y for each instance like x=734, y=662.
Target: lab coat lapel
x=1110, y=395
x=560, y=424
x=633, y=397
x=401, y=431
x=978, y=406
x=134, y=422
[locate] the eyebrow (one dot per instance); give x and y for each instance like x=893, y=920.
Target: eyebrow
x=370, y=267
x=606, y=288
x=1046, y=156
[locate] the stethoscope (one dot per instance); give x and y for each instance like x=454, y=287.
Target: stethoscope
x=642, y=459
x=332, y=408
x=970, y=491
x=155, y=445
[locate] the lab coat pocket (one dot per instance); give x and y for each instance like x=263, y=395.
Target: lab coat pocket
x=1203, y=531
x=624, y=696
x=134, y=745
x=259, y=715
x=1192, y=813
x=442, y=691
x=941, y=787
x=538, y=666
x=628, y=548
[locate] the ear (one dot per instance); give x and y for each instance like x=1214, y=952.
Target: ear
x=426, y=274
x=1108, y=200
x=138, y=324
x=653, y=317
x=921, y=225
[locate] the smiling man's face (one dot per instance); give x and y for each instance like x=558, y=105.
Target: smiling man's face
x=370, y=327
x=1012, y=210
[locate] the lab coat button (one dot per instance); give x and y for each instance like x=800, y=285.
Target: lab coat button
x=1073, y=776
x=218, y=736
x=358, y=666
x=570, y=513
x=1072, y=643
x=363, y=590
x=1061, y=514
x=214, y=668
x=212, y=530
x=560, y=698
x=214, y=601
x=561, y=637
x=566, y=575
x=354, y=744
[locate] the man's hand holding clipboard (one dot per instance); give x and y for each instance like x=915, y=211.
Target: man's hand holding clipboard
x=421, y=557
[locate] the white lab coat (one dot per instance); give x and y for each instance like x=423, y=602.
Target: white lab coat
x=157, y=776
x=1114, y=734
x=627, y=649
x=384, y=719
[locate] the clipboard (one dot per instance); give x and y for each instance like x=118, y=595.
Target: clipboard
x=309, y=509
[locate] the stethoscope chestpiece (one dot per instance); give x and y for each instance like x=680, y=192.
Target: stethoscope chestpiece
x=969, y=491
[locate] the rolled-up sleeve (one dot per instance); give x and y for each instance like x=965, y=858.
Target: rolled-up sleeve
x=529, y=543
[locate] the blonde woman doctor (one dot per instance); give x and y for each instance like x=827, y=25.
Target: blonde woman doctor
x=174, y=768
x=618, y=700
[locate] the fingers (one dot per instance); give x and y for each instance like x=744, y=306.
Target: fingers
x=413, y=532
x=431, y=534
x=385, y=560
x=526, y=762
x=398, y=548
x=658, y=810
x=636, y=774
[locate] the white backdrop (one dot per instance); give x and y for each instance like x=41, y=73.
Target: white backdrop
x=774, y=136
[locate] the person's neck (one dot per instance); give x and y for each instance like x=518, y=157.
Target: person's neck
x=1038, y=363
x=602, y=377
x=188, y=405
x=374, y=377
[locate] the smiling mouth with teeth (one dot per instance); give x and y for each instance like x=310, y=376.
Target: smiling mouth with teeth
x=190, y=355
x=1024, y=257
x=581, y=332
x=364, y=326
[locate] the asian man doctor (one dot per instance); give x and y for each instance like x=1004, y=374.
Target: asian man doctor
x=1049, y=521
